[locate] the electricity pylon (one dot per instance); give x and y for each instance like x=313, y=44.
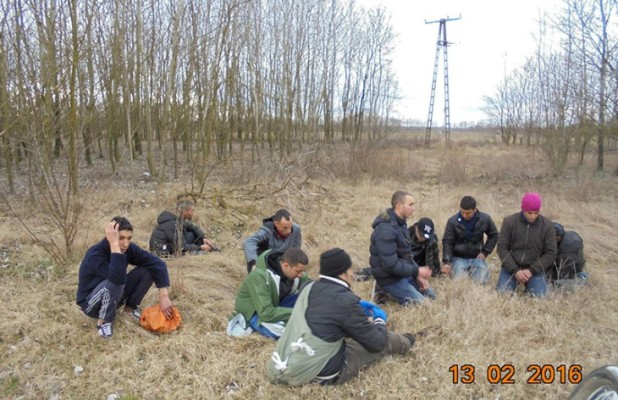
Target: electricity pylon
x=441, y=43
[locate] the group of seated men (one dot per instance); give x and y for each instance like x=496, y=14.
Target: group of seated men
x=469, y=237
x=312, y=319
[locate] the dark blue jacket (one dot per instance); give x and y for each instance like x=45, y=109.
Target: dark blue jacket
x=390, y=251
x=100, y=263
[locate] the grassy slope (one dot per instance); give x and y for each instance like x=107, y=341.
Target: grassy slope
x=43, y=335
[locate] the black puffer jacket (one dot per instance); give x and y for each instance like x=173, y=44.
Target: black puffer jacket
x=346, y=320
x=164, y=238
x=456, y=244
x=390, y=252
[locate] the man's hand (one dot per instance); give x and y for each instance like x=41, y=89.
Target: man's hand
x=523, y=275
x=207, y=245
x=165, y=303
x=424, y=272
x=445, y=269
x=481, y=256
x=113, y=237
x=422, y=283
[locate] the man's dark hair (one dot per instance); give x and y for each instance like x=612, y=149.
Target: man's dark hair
x=467, y=203
x=559, y=230
x=184, y=205
x=282, y=214
x=123, y=223
x=295, y=256
x=399, y=197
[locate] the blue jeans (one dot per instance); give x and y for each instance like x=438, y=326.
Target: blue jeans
x=406, y=291
x=474, y=267
x=536, y=286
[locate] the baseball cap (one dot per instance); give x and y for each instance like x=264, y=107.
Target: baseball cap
x=425, y=227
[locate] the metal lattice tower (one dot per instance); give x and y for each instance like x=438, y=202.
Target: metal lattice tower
x=441, y=43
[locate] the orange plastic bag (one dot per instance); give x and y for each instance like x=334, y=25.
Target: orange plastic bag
x=152, y=319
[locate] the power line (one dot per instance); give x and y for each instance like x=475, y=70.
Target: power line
x=441, y=43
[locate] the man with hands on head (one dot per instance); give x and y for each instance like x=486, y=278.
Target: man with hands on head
x=104, y=284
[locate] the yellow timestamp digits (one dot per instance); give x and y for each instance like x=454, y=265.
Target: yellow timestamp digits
x=504, y=374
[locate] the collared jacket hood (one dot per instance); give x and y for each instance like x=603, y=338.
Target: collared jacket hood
x=260, y=292
x=390, y=251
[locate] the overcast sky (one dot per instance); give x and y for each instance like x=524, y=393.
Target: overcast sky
x=490, y=36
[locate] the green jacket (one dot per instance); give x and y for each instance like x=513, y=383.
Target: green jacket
x=260, y=293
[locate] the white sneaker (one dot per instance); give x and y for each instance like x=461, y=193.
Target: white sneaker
x=105, y=330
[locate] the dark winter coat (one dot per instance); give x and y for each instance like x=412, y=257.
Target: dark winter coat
x=456, y=243
x=570, y=258
x=425, y=253
x=525, y=245
x=164, y=238
x=100, y=263
x=347, y=320
x=390, y=251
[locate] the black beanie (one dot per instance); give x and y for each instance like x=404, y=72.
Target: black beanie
x=334, y=262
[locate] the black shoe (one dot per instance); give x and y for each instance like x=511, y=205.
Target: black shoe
x=411, y=338
x=379, y=296
x=362, y=274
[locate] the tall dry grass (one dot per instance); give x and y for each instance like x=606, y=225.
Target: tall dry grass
x=334, y=193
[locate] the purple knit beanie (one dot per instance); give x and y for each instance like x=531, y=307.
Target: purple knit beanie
x=531, y=202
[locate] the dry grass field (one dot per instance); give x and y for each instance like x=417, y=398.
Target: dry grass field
x=50, y=350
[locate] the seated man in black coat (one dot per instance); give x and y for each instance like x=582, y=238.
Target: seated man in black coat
x=424, y=242
x=570, y=261
x=165, y=238
x=331, y=333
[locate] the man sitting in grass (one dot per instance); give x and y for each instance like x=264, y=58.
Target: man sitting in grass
x=173, y=232
x=391, y=258
x=267, y=295
x=332, y=334
x=104, y=284
x=527, y=248
x=568, y=269
x=278, y=233
x=469, y=237
x=424, y=242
